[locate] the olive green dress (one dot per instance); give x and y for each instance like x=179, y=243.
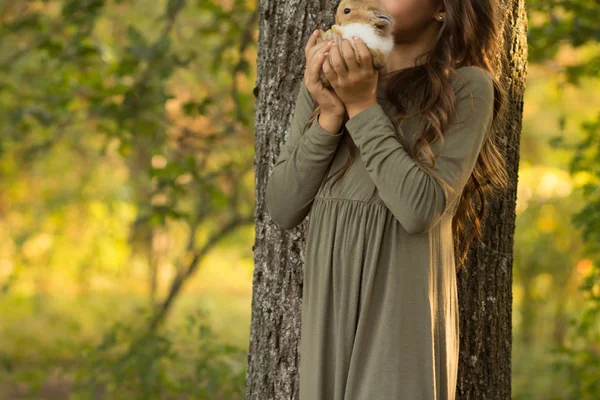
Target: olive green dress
x=380, y=305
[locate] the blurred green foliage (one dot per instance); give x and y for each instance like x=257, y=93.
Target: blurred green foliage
x=162, y=365
x=564, y=36
x=127, y=153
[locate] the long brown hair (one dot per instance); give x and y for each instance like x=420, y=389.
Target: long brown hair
x=467, y=37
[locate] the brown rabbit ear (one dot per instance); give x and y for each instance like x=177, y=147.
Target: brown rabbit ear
x=384, y=19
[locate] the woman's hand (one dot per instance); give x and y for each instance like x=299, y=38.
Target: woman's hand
x=329, y=102
x=356, y=84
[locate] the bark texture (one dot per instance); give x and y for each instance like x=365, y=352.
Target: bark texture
x=485, y=285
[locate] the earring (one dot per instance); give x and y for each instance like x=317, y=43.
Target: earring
x=440, y=17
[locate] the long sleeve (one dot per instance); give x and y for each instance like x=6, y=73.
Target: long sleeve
x=417, y=200
x=301, y=166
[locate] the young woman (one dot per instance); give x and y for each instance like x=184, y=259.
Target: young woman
x=391, y=171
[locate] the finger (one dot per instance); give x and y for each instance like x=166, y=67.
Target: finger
x=356, y=52
x=349, y=56
x=322, y=46
x=363, y=51
x=336, y=61
x=310, y=60
x=312, y=41
x=314, y=69
x=329, y=72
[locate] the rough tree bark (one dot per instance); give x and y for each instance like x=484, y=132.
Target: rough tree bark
x=485, y=285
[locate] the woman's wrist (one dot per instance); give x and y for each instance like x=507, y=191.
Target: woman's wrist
x=358, y=108
x=330, y=122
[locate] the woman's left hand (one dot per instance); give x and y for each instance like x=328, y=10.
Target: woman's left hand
x=355, y=85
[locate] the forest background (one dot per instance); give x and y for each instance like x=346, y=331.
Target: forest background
x=127, y=198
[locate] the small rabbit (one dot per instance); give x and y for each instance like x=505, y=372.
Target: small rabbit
x=367, y=20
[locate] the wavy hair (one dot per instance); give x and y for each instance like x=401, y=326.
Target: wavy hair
x=468, y=36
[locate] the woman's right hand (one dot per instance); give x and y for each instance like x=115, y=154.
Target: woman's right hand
x=329, y=102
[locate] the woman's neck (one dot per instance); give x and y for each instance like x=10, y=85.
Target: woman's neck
x=404, y=54
x=401, y=57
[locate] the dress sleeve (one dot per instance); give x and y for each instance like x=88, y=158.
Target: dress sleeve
x=301, y=166
x=417, y=200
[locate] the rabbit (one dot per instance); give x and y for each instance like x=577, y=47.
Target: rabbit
x=367, y=20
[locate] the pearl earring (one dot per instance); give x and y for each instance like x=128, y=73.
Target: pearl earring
x=440, y=17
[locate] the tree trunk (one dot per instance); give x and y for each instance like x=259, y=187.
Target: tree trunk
x=485, y=285
x=485, y=289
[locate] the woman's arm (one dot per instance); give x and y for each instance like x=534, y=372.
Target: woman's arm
x=301, y=166
x=416, y=199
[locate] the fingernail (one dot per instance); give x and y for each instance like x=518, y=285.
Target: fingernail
x=326, y=53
